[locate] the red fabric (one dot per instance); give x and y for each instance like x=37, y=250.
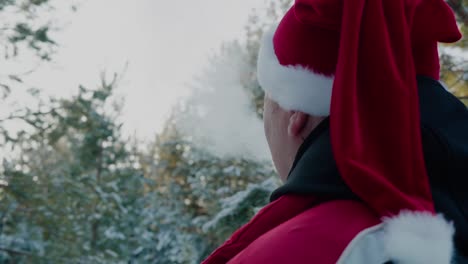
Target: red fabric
x=313, y=47
x=289, y=231
x=432, y=22
x=374, y=48
x=309, y=33
x=375, y=122
x=269, y=217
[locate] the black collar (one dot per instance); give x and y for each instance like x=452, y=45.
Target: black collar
x=314, y=170
x=444, y=123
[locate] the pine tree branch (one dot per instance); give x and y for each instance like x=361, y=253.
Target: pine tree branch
x=16, y=252
x=459, y=9
x=32, y=255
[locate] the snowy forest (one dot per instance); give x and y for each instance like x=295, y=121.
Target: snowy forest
x=74, y=189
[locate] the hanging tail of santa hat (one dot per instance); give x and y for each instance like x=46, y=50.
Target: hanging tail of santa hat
x=375, y=121
x=377, y=47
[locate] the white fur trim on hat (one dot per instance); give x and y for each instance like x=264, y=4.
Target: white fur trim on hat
x=292, y=87
x=419, y=238
x=409, y=238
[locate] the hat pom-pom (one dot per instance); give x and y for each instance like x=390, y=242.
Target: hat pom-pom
x=418, y=237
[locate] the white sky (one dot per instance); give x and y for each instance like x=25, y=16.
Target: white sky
x=165, y=42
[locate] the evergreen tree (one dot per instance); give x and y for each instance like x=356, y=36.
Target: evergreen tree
x=187, y=212
x=25, y=28
x=75, y=188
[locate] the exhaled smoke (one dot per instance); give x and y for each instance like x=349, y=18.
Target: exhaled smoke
x=219, y=114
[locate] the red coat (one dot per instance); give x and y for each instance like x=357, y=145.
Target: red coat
x=293, y=230
x=297, y=228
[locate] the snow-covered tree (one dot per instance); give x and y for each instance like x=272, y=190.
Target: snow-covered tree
x=190, y=188
x=73, y=190
x=210, y=164
x=75, y=184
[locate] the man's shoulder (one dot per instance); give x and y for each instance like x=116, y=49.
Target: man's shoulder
x=334, y=222
x=338, y=211
x=321, y=233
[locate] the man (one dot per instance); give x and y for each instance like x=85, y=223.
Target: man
x=365, y=169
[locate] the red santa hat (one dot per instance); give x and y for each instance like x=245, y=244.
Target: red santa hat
x=357, y=61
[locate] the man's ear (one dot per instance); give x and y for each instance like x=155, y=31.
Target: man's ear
x=297, y=122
